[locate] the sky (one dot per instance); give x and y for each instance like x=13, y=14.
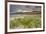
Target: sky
x=22, y=8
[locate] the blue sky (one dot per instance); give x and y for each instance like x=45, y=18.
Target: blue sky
x=16, y=8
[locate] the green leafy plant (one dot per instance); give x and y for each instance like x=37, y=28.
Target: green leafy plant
x=26, y=22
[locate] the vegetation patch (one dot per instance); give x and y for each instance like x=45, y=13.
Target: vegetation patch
x=32, y=21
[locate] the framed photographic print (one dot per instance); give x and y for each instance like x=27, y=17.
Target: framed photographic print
x=25, y=17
